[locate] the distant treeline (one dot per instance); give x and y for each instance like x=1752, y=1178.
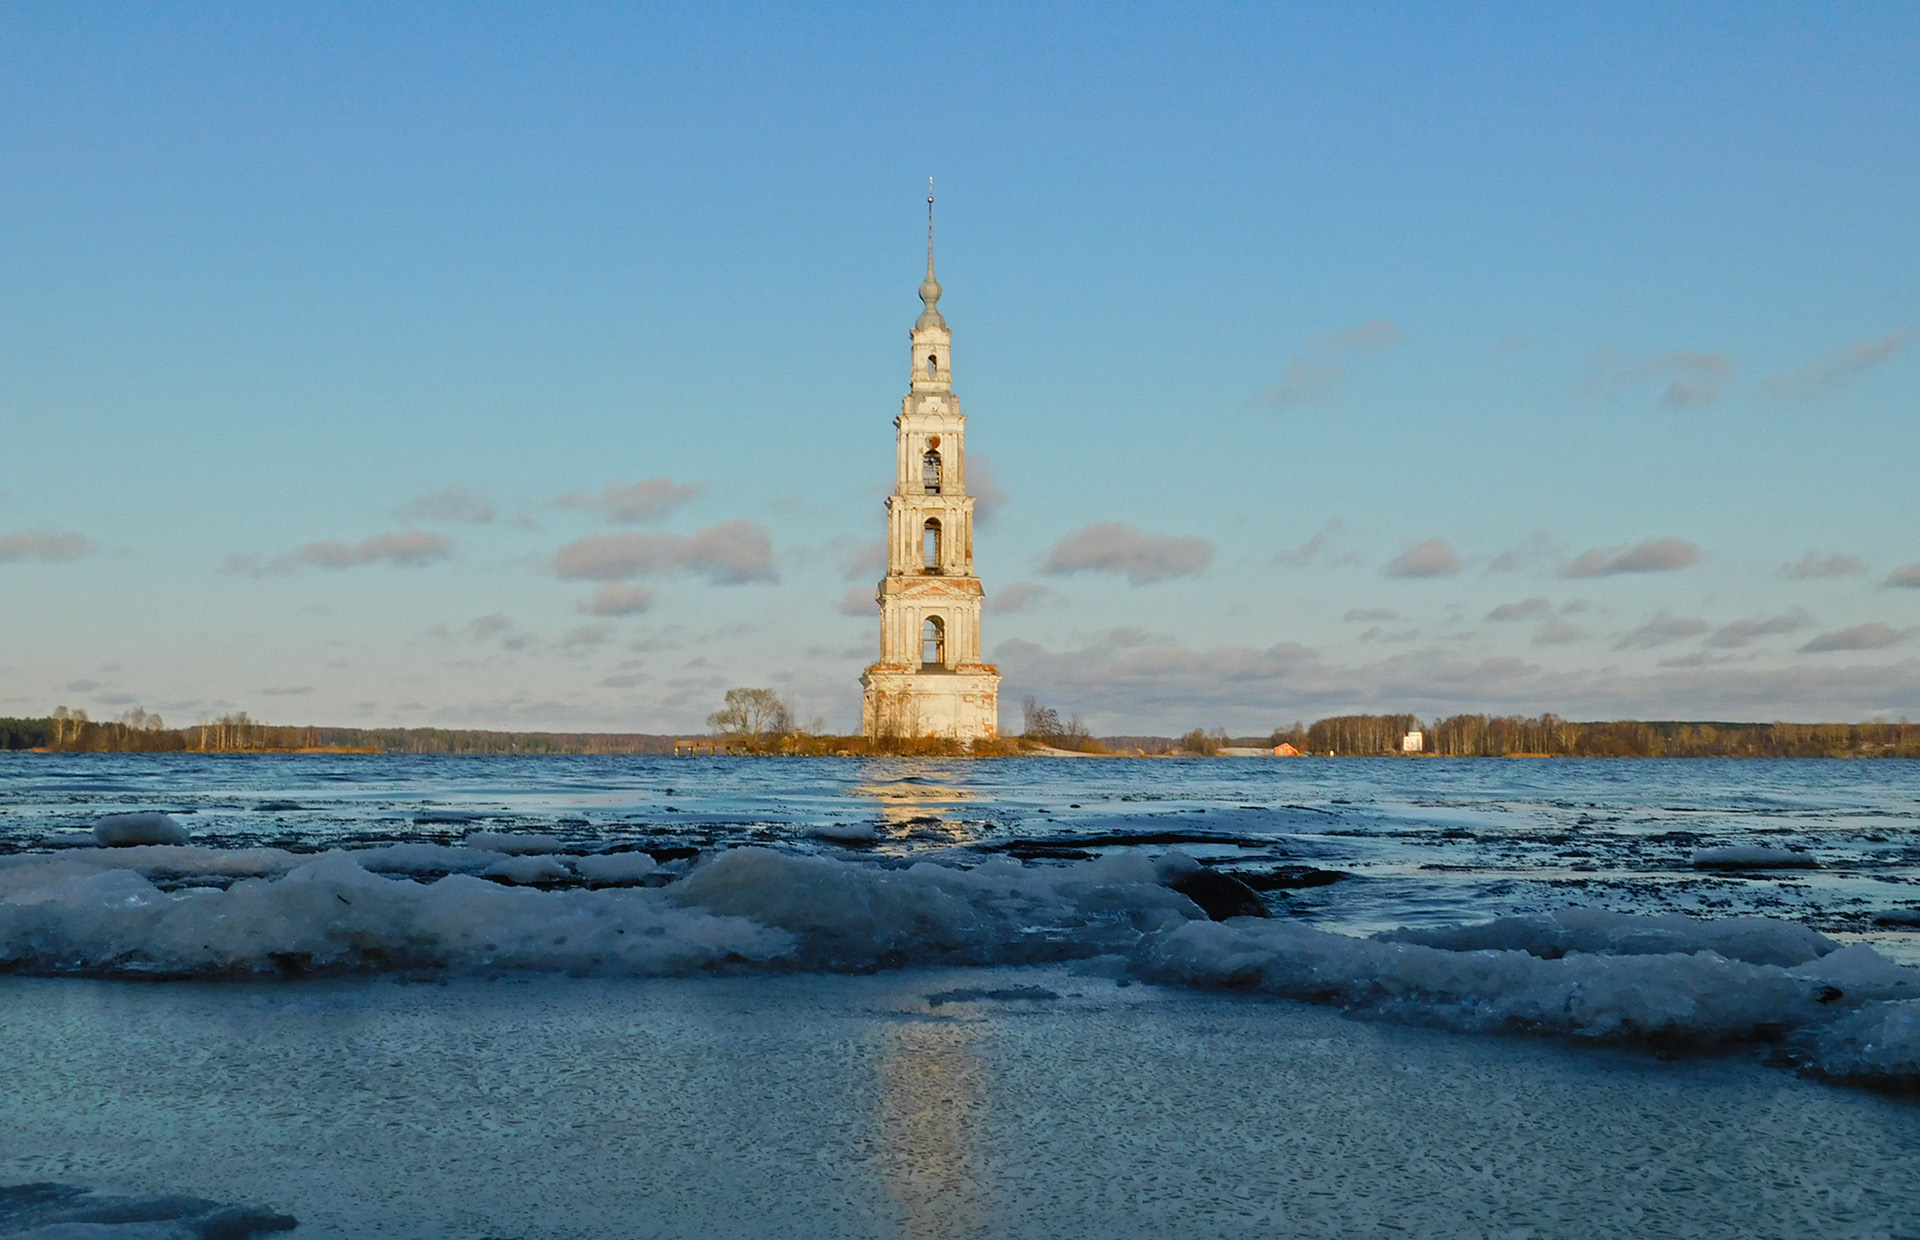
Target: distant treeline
x=1483, y=736
x=1466, y=736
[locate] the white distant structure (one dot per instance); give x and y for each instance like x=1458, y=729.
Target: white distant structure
x=1413, y=742
x=930, y=680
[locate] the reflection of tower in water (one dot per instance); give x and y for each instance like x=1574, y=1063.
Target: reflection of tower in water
x=933, y=1097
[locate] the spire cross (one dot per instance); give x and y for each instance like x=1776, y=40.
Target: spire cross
x=929, y=227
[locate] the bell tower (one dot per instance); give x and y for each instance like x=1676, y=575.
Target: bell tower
x=930, y=680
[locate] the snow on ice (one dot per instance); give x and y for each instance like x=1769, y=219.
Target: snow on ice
x=183, y=911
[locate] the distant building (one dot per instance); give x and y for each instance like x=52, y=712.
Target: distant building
x=1413, y=742
x=930, y=680
x=1284, y=750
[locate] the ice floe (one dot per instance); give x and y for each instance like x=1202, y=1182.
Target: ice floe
x=149, y=827
x=1845, y=1011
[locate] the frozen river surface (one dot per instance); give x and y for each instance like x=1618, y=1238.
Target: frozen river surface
x=624, y=996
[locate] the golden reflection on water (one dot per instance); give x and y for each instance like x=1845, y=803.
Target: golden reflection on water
x=933, y=1098
x=915, y=796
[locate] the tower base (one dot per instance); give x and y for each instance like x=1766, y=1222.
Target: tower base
x=962, y=703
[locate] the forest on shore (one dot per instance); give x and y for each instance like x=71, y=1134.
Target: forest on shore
x=1465, y=736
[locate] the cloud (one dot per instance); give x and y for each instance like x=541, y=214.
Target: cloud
x=1737, y=633
x=1659, y=555
x=585, y=635
x=731, y=553
x=1694, y=380
x=406, y=549
x=858, y=602
x=1660, y=630
x=867, y=560
x=1558, y=633
x=981, y=484
x=1874, y=636
x=1372, y=336
x=46, y=546
x=1525, y=608
x=646, y=500
x=1432, y=558
x=1369, y=615
x=1813, y=565
x=1537, y=548
x=484, y=628
x=1110, y=547
x=454, y=503
x=288, y=691
x=1018, y=596
x=1310, y=382
x=1168, y=686
x=1824, y=374
x=1318, y=549
x=1906, y=576
x=615, y=599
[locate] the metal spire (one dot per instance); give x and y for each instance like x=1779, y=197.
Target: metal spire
x=930, y=287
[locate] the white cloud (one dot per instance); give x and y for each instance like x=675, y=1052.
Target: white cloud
x=46, y=546
x=1737, y=633
x=1660, y=630
x=632, y=504
x=1813, y=566
x=1018, y=596
x=1694, y=380
x=1659, y=555
x=1319, y=549
x=615, y=599
x=1369, y=615
x=1311, y=382
x=1110, y=547
x=1556, y=632
x=1432, y=558
x=454, y=503
x=1874, y=636
x=858, y=602
x=1906, y=576
x=1522, y=610
x=731, y=553
x=405, y=549
x=1824, y=374
x=485, y=628
x=983, y=485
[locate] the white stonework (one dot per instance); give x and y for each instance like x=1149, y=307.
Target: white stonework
x=930, y=680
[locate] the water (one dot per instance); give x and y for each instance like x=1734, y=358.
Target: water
x=771, y=1032
x=1425, y=842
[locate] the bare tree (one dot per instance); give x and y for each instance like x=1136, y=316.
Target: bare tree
x=752, y=715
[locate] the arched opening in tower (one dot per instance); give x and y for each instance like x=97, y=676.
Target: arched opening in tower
x=930, y=472
x=930, y=547
x=933, y=642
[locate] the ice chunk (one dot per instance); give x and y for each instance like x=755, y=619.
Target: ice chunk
x=614, y=869
x=417, y=858
x=1877, y=1044
x=1702, y=998
x=529, y=871
x=1752, y=857
x=149, y=827
x=1756, y=940
x=70, y=839
x=514, y=843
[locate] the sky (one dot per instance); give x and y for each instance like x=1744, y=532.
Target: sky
x=534, y=366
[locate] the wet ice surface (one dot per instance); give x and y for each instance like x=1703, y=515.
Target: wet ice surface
x=1043, y=1102
x=1426, y=842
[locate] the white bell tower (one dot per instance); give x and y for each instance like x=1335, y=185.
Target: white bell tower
x=930, y=680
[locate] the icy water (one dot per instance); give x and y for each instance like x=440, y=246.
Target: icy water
x=574, y=997
x=1397, y=842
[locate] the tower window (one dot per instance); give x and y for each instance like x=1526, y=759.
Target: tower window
x=933, y=641
x=930, y=473
x=930, y=547
x=933, y=365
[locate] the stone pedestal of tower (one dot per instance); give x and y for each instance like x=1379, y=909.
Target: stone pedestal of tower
x=930, y=680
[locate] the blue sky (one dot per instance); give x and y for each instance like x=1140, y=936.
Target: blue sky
x=1319, y=358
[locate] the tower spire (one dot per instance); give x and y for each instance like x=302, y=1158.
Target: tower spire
x=930, y=287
